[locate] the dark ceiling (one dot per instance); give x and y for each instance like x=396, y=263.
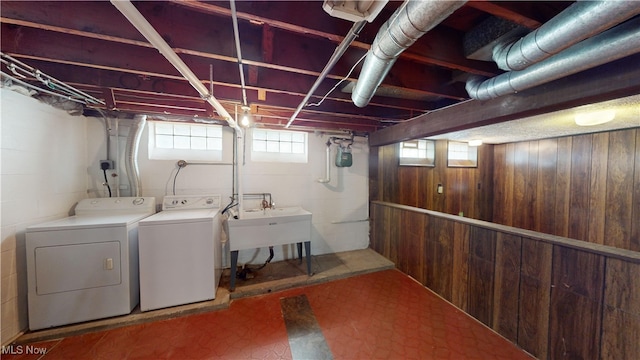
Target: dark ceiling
x=285, y=45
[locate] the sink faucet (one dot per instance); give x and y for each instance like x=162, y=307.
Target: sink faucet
x=265, y=204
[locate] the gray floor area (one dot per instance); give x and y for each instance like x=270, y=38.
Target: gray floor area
x=274, y=277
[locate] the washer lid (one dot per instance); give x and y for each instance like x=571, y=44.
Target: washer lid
x=180, y=216
x=88, y=222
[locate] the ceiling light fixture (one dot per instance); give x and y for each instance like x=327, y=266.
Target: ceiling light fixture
x=475, y=142
x=595, y=117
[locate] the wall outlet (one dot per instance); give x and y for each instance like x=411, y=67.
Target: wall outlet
x=106, y=164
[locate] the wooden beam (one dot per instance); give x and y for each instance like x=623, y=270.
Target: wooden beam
x=614, y=80
x=444, y=59
x=502, y=11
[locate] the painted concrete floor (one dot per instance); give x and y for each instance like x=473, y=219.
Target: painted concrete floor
x=377, y=315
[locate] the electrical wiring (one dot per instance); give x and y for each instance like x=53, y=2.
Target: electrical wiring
x=339, y=82
x=106, y=182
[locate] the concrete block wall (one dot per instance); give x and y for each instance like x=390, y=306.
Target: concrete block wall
x=43, y=174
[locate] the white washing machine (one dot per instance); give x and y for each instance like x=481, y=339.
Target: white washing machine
x=180, y=252
x=85, y=267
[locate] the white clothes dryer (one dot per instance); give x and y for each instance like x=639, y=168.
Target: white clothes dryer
x=85, y=267
x=181, y=252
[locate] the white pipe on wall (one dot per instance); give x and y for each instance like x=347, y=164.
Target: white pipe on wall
x=327, y=173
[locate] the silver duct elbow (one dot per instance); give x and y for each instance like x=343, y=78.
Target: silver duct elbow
x=613, y=44
x=131, y=154
x=407, y=24
x=578, y=22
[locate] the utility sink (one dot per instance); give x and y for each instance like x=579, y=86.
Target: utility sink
x=268, y=227
x=261, y=228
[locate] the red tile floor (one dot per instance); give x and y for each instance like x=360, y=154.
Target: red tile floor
x=382, y=315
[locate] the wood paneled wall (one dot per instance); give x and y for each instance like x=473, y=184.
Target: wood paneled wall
x=466, y=190
x=554, y=297
x=584, y=187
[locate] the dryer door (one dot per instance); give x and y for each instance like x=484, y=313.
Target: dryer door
x=74, y=267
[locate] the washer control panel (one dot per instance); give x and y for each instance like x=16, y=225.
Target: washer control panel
x=186, y=202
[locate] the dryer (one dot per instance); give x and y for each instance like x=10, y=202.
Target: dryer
x=85, y=267
x=180, y=252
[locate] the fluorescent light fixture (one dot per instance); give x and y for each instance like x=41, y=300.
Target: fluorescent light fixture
x=475, y=142
x=595, y=117
x=354, y=10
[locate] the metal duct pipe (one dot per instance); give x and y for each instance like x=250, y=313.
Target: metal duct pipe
x=613, y=44
x=337, y=54
x=579, y=21
x=131, y=154
x=408, y=23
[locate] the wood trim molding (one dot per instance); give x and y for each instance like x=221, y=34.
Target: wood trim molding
x=608, y=251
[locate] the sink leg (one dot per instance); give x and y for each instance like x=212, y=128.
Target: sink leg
x=234, y=270
x=299, y=252
x=307, y=250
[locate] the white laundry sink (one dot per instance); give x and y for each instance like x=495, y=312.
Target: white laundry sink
x=268, y=227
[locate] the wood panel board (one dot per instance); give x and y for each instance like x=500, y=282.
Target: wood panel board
x=576, y=303
x=574, y=326
x=578, y=271
x=546, y=186
x=440, y=250
x=499, y=182
x=598, y=188
x=620, y=189
x=620, y=334
x=580, y=173
x=563, y=186
x=482, y=244
x=460, y=276
x=507, y=285
x=535, y=293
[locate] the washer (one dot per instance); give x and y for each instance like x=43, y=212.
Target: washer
x=85, y=267
x=180, y=252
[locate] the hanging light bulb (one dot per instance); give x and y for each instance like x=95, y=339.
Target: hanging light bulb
x=245, y=121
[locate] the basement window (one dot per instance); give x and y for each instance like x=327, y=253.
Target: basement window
x=173, y=141
x=278, y=146
x=418, y=153
x=460, y=154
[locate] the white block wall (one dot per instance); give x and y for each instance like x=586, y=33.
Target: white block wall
x=50, y=160
x=43, y=174
x=345, y=198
